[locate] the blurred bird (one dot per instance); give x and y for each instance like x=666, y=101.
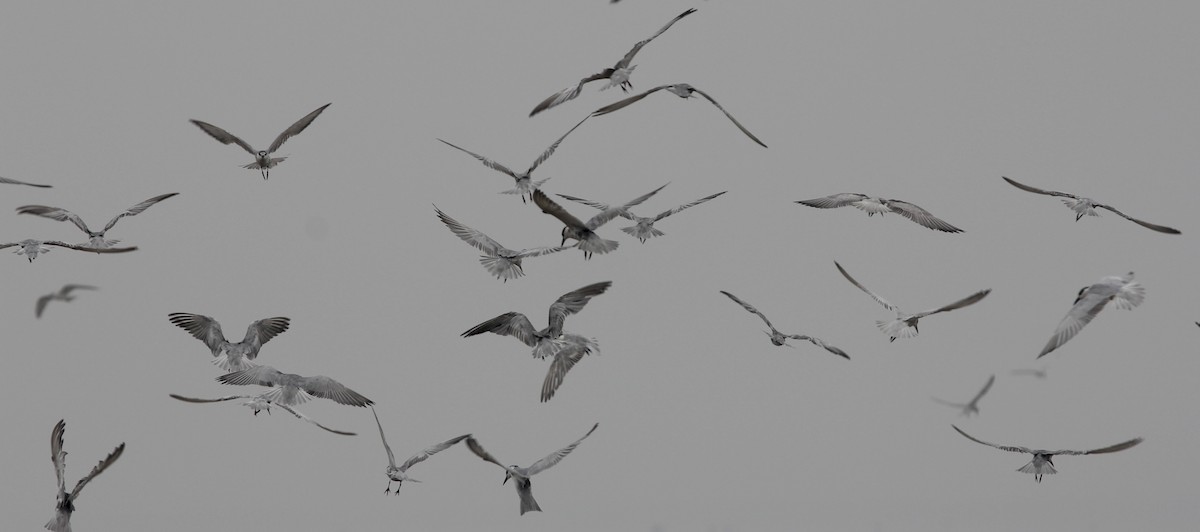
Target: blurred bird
x=905, y=325
x=682, y=90
x=520, y=475
x=1039, y=373
x=397, y=474
x=1087, y=207
x=617, y=76
x=262, y=158
x=971, y=407
x=498, y=260
x=8, y=181
x=645, y=226
x=1120, y=290
x=95, y=238
x=260, y=403
x=236, y=357
x=873, y=206
x=779, y=338
x=61, y=522
x=63, y=294
x=30, y=247
x=589, y=241
x=525, y=185
x=291, y=389
x=1043, y=461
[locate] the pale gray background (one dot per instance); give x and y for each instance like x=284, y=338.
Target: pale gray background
x=703, y=424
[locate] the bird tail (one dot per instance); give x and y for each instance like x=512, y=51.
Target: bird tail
x=1038, y=468
x=525, y=491
x=60, y=523
x=1130, y=295
x=642, y=233
x=270, y=164
x=232, y=364
x=501, y=267
x=896, y=328
x=598, y=245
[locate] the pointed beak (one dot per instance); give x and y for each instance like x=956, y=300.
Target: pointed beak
x=506, y=477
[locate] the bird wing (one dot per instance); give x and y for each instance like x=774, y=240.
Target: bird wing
x=985, y=389
x=1010, y=448
x=386, y=447
x=731, y=118
x=430, y=451
x=820, y=343
x=557, y=456
x=202, y=328
x=55, y=213
x=100, y=467
x=1082, y=312
x=948, y=403
x=512, y=324
x=569, y=93
x=624, y=62
x=749, y=307
x=1110, y=449
x=886, y=304
x=564, y=360
x=553, y=209
x=327, y=388
x=258, y=375
x=969, y=300
x=471, y=236
x=571, y=303
x=15, y=182
x=537, y=252
x=627, y=101
x=57, y=456
x=612, y=212
x=296, y=128
x=310, y=420
x=215, y=400
x=486, y=162
x=921, y=216
x=41, y=304
x=1147, y=225
x=68, y=288
x=222, y=136
x=262, y=331
x=667, y=213
x=550, y=151
x=137, y=209
x=594, y=205
x=1028, y=188
x=77, y=247
x=834, y=201
x=479, y=451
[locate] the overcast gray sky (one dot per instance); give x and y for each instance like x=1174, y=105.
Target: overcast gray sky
x=703, y=424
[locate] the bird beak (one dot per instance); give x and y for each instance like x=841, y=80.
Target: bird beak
x=506, y=477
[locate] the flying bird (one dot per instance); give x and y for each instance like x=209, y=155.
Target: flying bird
x=262, y=158
x=617, y=76
x=1043, y=461
x=30, y=247
x=498, y=260
x=8, y=181
x=228, y=355
x=260, y=403
x=971, y=407
x=525, y=185
x=588, y=241
x=520, y=475
x=398, y=473
x=291, y=389
x=61, y=522
x=1119, y=290
x=1087, y=207
x=682, y=90
x=873, y=206
x=96, y=239
x=63, y=294
x=1039, y=373
x=779, y=338
x=645, y=225
x=905, y=325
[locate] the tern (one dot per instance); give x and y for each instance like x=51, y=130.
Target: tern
x=779, y=338
x=617, y=76
x=682, y=90
x=30, y=247
x=588, y=241
x=498, y=260
x=520, y=475
x=291, y=389
x=525, y=185
x=260, y=403
x=8, y=181
x=95, y=238
x=876, y=205
x=1119, y=290
x=905, y=325
x=398, y=473
x=63, y=294
x=971, y=407
x=645, y=225
x=1087, y=207
x=262, y=158
x=1043, y=461
x=66, y=501
x=236, y=357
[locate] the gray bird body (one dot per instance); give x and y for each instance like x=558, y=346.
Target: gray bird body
x=30, y=247
x=585, y=232
x=1087, y=207
x=520, y=475
x=498, y=260
x=96, y=239
x=972, y=406
x=905, y=324
x=682, y=90
x=228, y=355
x=880, y=206
x=291, y=389
x=1043, y=460
x=259, y=403
x=262, y=158
x=644, y=225
x=65, y=505
x=525, y=185
x=1119, y=290
x=63, y=294
x=399, y=473
x=780, y=339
